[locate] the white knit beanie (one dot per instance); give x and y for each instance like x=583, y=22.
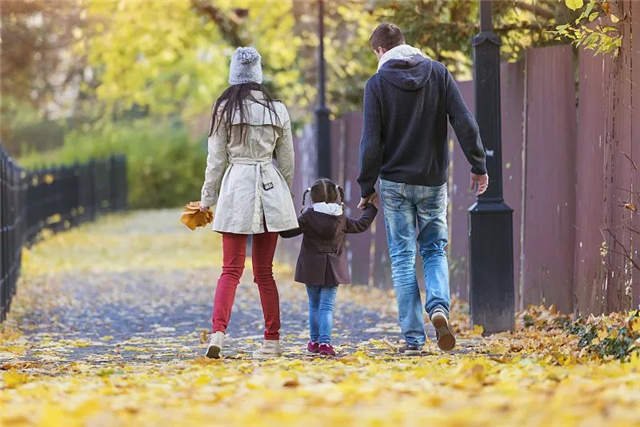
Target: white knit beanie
x=245, y=66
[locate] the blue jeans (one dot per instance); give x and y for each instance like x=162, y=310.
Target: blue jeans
x=321, y=303
x=416, y=213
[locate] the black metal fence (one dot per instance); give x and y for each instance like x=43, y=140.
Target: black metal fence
x=52, y=198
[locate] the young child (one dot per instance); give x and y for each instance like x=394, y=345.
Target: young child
x=322, y=263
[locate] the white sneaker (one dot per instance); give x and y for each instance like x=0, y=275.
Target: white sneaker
x=269, y=350
x=446, y=340
x=215, y=345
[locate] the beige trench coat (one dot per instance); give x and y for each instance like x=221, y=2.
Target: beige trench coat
x=242, y=183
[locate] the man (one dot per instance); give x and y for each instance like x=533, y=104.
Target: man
x=404, y=142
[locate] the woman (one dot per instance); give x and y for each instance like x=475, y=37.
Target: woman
x=251, y=196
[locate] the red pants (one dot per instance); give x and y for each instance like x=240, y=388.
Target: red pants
x=234, y=253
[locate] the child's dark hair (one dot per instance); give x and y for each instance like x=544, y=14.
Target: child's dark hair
x=324, y=190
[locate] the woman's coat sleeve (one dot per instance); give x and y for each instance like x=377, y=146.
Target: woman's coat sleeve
x=284, y=152
x=217, y=163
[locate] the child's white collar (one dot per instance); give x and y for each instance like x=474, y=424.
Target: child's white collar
x=334, y=209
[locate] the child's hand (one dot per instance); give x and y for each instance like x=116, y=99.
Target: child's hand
x=372, y=198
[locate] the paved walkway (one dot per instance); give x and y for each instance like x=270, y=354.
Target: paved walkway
x=111, y=317
x=137, y=287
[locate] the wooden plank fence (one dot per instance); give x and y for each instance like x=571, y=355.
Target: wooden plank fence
x=571, y=153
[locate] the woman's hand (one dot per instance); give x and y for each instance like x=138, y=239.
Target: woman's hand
x=203, y=208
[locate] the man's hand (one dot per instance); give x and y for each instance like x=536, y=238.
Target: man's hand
x=372, y=198
x=479, y=183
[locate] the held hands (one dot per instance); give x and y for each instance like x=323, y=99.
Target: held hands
x=479, y=183
x=370, y=199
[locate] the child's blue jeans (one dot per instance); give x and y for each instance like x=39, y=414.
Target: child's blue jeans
x=321, y=303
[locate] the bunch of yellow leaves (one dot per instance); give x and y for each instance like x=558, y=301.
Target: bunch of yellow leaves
x=193, y=217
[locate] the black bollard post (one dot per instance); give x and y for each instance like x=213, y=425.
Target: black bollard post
x=491, y=293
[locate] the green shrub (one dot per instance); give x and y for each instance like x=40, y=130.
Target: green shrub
x=23, y=128
x=165, y=167
x=614, y=336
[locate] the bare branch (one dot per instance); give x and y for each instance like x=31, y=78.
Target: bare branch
x=626, y=253
x=626, y=190
x=535, y=9
x=635, y=167
x=468, y=28
x=228, y=27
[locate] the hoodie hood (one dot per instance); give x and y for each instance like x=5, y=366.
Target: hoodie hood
x=402, y=51
x=405, y=67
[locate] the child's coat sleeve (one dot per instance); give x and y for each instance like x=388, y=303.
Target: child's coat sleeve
x=296, y=231
x=360, y=225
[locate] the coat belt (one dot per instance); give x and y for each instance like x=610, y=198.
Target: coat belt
x=248, y=161
x=267, y=184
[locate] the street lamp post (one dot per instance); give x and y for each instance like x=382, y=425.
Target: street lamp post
x=491, y=294
x=323, y=126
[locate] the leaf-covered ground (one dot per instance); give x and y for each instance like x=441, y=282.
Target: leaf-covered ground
x=108, y=324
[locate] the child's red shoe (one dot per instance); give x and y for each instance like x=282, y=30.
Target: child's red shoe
x=326, y=349
x=312, y=347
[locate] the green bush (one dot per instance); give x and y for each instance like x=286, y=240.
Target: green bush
x=23, y=128
x=614, y=336
x=43, y=135
x=165, y=167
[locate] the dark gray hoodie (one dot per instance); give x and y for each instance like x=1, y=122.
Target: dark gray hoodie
x=404, y=136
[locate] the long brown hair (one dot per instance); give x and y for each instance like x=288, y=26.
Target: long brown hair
x=232, y=100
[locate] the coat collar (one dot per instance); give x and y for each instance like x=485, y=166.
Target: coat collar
x=257, y=94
